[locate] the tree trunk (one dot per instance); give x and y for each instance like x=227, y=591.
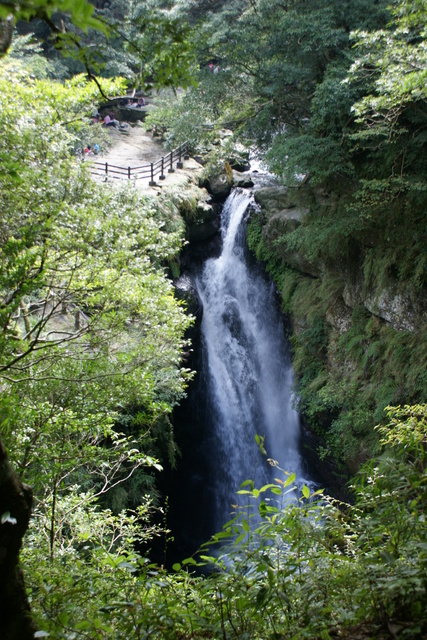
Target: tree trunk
x=15, y=511
x=6, y=32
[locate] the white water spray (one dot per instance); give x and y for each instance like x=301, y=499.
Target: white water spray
x=248, y=367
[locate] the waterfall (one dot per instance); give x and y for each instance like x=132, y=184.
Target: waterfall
x=246, y=368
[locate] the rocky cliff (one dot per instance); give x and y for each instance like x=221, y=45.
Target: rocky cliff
x=359, y=331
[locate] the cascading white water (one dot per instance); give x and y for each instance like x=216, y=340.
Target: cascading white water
x=247, y=368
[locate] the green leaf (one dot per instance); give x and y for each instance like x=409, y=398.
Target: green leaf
x=289, y=480
x=187, y=561
x=388, y=558
x=245, y=525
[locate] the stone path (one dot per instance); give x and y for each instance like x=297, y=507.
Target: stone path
x=133, y=147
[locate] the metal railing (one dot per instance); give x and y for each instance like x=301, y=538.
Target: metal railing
x=150, y=171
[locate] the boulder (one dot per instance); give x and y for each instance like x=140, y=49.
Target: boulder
x=238, y=163
x=200, y=159
x=131, y=115
x=400, y=309
x=239, y=158
x=205, y=211
x=242, y=181
x=219, y=186
x=395, y=308
x=205, y=224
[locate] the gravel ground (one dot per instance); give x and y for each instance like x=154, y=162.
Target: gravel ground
x=133, y=147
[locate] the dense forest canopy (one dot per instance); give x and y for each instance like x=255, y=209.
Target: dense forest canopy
x=333, y=97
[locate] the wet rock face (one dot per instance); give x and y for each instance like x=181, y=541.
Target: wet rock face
x=396, y=309
x=205, y=211
x=284, y=211
x=278, y=226
x=185, y=290
x=277, y=198
x=338, y=316
x=202, y=231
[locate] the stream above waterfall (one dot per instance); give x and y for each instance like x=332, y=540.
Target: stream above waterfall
x=243, y=388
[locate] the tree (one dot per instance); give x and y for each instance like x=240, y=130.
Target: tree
x=396, y=60
x=279, y=82
x=140, y=41
x=392, y=116
x=81, y=14
x=88, y=320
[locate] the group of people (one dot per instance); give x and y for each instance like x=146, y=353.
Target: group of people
x=133, y=103
x=92, y=150
x=109, y=120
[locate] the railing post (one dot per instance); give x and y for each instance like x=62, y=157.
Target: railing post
x=171, y=169
x=179, y=164
x=186, y=156
x=128, y=173
x=106, y=170
x=152, y=183
x=162, y=174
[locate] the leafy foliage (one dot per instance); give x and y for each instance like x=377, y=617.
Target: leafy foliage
x=89, y=323
x=183, y=118
x=81, y=12
x=140, y=41
x=294, y=563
